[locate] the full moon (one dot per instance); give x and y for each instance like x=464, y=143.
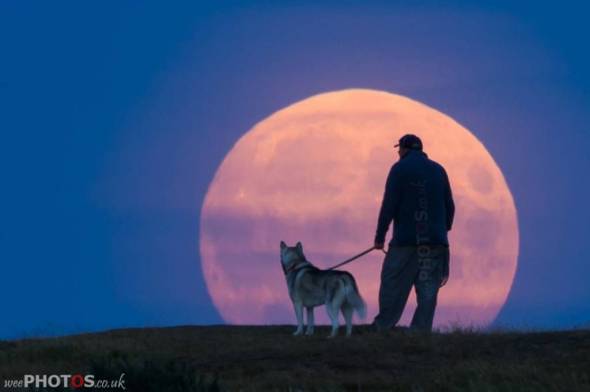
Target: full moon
x=315, y=172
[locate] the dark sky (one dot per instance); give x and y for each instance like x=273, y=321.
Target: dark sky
x=115, y=115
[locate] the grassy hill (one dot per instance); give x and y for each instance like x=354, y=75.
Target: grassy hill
x=209, y=358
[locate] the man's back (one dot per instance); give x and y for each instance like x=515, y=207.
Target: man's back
x=418, y=199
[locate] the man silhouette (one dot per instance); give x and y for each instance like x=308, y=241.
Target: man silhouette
x=419, y=201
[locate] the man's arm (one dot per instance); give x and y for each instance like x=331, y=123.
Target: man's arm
x=449, y=203
x=389, y=205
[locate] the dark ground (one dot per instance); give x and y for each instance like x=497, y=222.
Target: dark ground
x=268, y=358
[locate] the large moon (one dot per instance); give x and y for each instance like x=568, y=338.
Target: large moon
x=315, y=172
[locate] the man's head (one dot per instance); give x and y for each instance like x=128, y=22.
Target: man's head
x=408, y=142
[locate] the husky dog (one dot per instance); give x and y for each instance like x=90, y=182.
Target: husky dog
x=310, y=286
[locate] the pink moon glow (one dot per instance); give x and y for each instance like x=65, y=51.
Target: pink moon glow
x=315, y=172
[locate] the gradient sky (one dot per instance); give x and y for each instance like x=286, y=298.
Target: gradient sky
x=115, y=116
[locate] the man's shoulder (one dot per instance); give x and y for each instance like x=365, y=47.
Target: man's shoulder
x=398, y=169
x=436, y=165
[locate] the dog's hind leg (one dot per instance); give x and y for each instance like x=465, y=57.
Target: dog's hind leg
x=299, y=313
x=309, y=330
x=333, y=314
x=347, y=313
x=333, y=306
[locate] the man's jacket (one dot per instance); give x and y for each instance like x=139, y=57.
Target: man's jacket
x=418, y=199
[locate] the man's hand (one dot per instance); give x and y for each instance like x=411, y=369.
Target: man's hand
x=379, y=245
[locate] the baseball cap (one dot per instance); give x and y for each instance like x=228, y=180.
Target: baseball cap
x=410, y=141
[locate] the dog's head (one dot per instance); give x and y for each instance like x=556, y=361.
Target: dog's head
x=291, y=256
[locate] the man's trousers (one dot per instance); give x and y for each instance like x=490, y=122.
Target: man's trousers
x=421, y=266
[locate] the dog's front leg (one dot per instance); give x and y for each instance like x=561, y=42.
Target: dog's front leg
x=309, y=330
x=299, y=313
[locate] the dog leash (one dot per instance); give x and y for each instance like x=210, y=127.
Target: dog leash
x=356, y=257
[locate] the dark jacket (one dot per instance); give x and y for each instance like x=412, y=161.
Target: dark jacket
x=418, y=199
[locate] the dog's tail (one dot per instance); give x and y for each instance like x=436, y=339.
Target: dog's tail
x=353, y=297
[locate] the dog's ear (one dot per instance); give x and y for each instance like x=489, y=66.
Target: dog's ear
x=283, y=245
x=299, y=247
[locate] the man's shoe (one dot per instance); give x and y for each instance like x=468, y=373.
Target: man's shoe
x=375, y=326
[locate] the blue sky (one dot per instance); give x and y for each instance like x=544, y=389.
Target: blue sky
x=115, y=116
